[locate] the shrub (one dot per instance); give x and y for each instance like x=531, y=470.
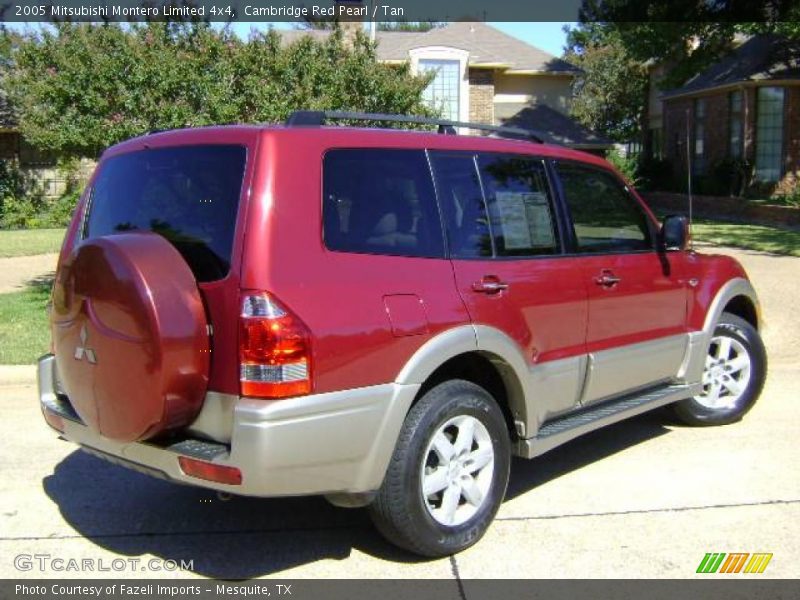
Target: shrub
x=788, y=193
x=627, y=165
x=22, y=201
x=657, y=174
x=727, y=177
x=60, y=212
x=21, y=197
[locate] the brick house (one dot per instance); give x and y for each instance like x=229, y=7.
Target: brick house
x=39, y=167
x=484, y=75
x=743, y=113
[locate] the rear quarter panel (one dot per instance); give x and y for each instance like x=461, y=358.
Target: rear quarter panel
x=339, y=296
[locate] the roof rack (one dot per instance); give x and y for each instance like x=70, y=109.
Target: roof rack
x=317, y=118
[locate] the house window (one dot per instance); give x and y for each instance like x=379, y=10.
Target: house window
x=442, y=94
x=736, y=125
x=769, y=134
x=657, y=143
x=699, y=159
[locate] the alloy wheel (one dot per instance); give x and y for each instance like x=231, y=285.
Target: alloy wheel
x=457, y=470
x=726, y=374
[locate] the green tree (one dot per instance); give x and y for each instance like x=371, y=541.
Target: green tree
x=79, y=87
x=618, y=39
x=688, y=35
x=409, y=26
x=8, y=40
x=610, y=93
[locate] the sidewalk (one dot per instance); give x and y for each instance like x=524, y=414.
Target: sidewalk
x=17, y=375
x=17, y=271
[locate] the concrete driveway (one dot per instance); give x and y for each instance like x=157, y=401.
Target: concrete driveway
x=644, y=498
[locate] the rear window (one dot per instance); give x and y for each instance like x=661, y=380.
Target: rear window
x=189, y=195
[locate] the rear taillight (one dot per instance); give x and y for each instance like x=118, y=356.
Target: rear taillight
x=274, y=349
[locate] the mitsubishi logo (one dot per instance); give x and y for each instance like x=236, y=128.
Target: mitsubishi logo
x=82, y=350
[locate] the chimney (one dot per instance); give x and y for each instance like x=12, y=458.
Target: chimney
x=350, y=14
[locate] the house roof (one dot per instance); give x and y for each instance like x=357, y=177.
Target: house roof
x=761, y=58
x=556, y=127
x=486, y=46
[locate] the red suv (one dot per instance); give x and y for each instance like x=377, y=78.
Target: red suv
x=382, y=317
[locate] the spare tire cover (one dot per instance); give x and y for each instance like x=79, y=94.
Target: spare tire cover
x=130, y=336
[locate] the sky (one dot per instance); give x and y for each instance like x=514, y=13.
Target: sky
x=546, y=36
x=549, y=37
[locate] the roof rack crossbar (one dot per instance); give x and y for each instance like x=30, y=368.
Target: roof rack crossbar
x=311, y=118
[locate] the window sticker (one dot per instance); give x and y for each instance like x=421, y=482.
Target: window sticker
x=525, y=220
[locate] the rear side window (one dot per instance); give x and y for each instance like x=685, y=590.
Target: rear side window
x=380, y=201
x=520, y=208
x=188, y=194
x=605, y=216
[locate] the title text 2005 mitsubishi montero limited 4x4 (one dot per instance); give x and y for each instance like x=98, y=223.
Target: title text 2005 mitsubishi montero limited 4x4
x=381, y=317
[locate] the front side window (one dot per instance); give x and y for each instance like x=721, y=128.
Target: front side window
x=380, y=201
x=187, y=194
x=605, y=217
x=442, y=94
x=769, y=134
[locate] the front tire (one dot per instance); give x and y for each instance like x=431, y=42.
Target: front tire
x=734, y=375
x=448, y=474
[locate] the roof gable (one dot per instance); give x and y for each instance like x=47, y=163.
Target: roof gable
x=761, y=58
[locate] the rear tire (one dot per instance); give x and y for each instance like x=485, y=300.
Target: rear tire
x=448, y=474
x=735, y=371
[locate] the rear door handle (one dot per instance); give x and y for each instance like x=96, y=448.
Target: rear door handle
x=489, y=285
x=607, y=279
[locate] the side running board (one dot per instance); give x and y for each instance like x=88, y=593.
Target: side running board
x=559, y=431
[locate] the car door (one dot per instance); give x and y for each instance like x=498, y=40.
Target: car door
x=507, y=255
x=636, y=333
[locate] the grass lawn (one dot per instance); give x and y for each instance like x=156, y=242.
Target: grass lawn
x=27, y=242
x=24, y=333
x=751, y=237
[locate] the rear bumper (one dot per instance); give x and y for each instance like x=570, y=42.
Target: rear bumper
x=338, y=442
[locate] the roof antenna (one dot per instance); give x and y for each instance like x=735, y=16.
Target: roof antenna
x=689, y=176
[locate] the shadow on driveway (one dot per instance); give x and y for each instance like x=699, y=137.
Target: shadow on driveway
x=527, y=475
x=132, y=514
x=43, y=281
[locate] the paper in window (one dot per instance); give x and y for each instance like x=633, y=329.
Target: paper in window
x=525, y=220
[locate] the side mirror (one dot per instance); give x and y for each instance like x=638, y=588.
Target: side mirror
x=674, y=232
